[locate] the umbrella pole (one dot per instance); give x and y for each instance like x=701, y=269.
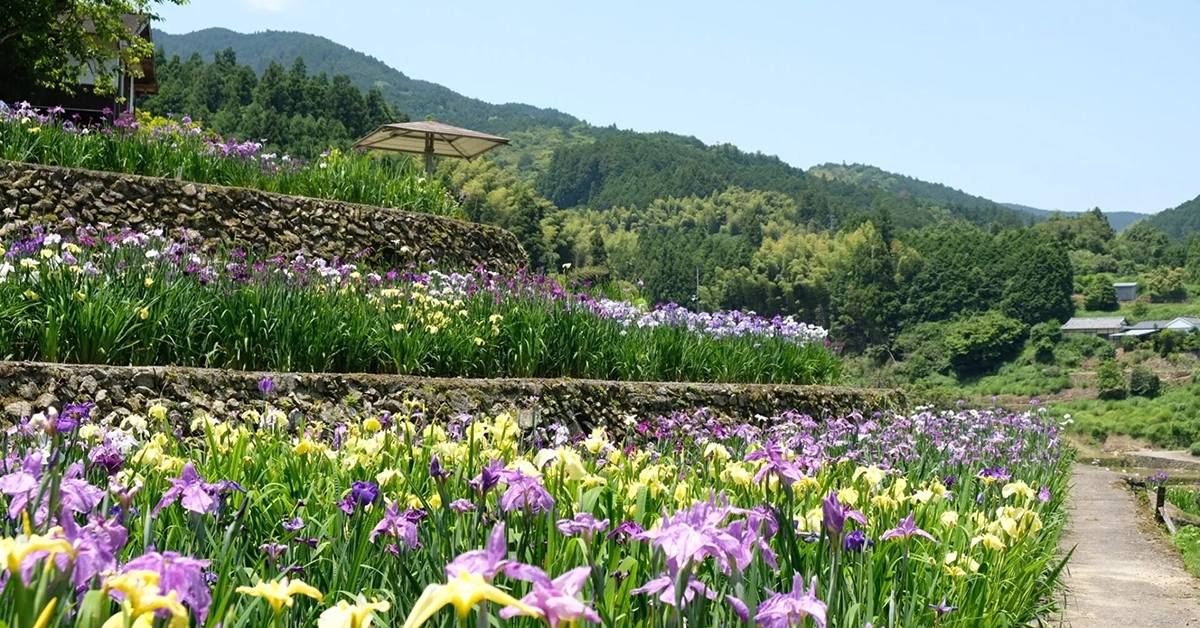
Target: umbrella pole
x=429, y=154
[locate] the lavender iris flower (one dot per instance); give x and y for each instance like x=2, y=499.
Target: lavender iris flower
x=1044, y=495
x=625, y=530
x=525, y=493
x=583, y=524
x=21, y=484
x=664, y=586
x=487, y=562
x=557, y=599
x=265, y=385
x=295, y=525
x=461, y=505
x=834, y=516
x=96, y=546
x=192, y=492
x=786, y=610
x=906, y=530
x=397, y=526
x=182, y=574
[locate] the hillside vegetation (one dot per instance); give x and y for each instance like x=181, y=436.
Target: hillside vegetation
x=418, y=98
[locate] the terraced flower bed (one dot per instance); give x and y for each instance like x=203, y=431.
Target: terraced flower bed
x=154, y=298
x=250, y=520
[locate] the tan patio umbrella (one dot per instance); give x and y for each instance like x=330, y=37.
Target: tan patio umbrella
x=429, y=139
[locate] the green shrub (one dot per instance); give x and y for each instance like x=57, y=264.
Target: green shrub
x=1144, y=382
x=981, y=342
x=1043, y=337
x=1129, y=344
x=1167, y=341
x=1100, y=295
x=1110, y=381
x=1195, y=448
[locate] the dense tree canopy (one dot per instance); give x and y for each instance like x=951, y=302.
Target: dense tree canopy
x=51, y=43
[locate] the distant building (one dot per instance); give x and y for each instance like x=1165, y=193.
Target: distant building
x=129, y=89
x=1185, y=324
x=1126, y=291
x=1102, y=326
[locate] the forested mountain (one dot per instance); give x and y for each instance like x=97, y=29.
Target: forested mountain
x=861, y=174
x=1179, y=222
x=415, y=97
x=1119, y=220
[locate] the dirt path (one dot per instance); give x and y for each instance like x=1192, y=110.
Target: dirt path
x=1120, y=575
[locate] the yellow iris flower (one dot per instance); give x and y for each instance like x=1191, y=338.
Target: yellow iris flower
x=357, y=615
x=13, y=551
x=142, y=599
x=463, y=591
x=279, y=592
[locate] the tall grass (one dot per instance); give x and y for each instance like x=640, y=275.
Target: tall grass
x=157, y=147
x=138, y=300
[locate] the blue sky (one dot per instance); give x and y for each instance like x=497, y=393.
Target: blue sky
x=1060, y=105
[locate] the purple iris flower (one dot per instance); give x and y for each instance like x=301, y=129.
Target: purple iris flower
x=583, y=524
x=785, y=610
x=625, y=530
x=557, y=599
x=397, y=526
x=461, y=505
x=347, y=504
x=700, y=531
x=942, y=608
x=96, y=546
x=486, y=562
x=295, y=525
x=273, y=550
x=488, y=477
x=857, y=541
x=364, y=493
x=193, y=493
x=436, y=471
x=22, y=484
x=182, y=574
x=106, y=457
x=906, y=530
x=525, y=493
x=664, y=587
x=773, y=453
x=1044, y=494
x=265, y=385
x=740, y=608
x=835, y=516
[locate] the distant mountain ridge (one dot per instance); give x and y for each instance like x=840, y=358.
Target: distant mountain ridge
x=416, y=97
x=862, y=174
x=584, y=145
x=1178, y=222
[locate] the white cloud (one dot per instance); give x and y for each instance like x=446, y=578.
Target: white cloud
x=268, y=5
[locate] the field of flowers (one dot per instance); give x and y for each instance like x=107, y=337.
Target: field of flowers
x=891, y=520
x=160, y=147
x=123, y=297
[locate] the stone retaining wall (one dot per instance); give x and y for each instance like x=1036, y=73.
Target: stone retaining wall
x=27, y=387
x=252, y=219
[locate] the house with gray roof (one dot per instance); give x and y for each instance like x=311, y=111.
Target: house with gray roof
x=1102, y=326
x=1185, y=324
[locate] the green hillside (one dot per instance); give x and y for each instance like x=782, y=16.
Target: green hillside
x=417, y=98
x=1179, y=222
x=861, y=174
x=1118, y=220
